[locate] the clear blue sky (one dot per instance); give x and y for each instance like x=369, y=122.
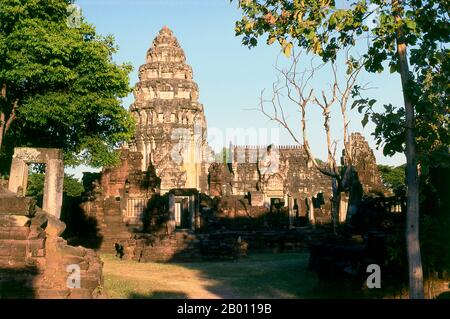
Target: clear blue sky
x=229, y=75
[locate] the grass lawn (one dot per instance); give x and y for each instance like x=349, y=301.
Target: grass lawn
x=258, y=276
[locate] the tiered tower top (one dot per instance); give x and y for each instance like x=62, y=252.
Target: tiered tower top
x=165, y=48
x=165, y=78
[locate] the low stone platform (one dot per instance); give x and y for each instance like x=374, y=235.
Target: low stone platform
x=186, y=246
x=142, y=247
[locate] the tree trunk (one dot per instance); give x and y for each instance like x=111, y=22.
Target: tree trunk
x=2, y=126
x=2, y=115
x=336, y=204
x=5, y=124
x=416, y=289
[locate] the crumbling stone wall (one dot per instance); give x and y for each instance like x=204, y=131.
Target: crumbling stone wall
x=34, y=258
x=233, y=206
x=276, y=169
x=285, y=172
x=118, y=200
x=186, y=246
x=262, y=173
x=179, y=246
x=365, y=165
x=110, y=225
x=219, y=179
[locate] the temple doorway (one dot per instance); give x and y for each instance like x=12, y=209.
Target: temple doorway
x=276, y=203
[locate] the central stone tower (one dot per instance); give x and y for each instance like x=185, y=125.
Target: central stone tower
x=171, y=125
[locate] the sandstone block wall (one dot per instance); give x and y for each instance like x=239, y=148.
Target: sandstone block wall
x=110, y=226
x=179, y=246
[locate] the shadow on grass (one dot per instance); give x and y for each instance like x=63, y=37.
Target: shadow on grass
x=260, y=276
x=444, y=295
x=273, y=275
x=17, y=283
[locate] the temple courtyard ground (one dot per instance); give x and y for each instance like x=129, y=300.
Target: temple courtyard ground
x=263, y=275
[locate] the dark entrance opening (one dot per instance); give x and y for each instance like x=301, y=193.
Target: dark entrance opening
x=182, y=213
x=276, y=204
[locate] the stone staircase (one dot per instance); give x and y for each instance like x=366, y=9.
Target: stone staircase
x=112, y=228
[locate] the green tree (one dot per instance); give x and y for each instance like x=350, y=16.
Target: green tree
x=35, y=186
x=72, y=186
x=324, y=28
x=223, y=156
x=59, y=85
x=393, y=177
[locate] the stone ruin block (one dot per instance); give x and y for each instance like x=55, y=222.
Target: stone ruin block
x=257, y=199
x=34, y=258
x=11, y=205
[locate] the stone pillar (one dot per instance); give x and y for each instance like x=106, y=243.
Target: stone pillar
x=311, y=217
x=53, y=187
x=197, y=213
x=343, y=208
x=189, y=163
x=141, y=148
x=302, y=207
x=171, y=223
x=18, y=176
x=192, y=210
x=290, y=204
x=266, y=201
x=172, y=206
x=148, y=150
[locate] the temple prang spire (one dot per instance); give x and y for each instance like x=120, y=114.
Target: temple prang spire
x=166, y=104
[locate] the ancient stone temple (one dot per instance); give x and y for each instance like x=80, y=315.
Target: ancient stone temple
x=168, y=154
x=365, y=164
x=171, y=125
x=168, y=162
x=273, y=176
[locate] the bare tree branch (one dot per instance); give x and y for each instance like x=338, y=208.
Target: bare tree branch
x=297, y=86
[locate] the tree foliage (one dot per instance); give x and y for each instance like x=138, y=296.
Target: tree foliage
x=325, y=26
x=60, y=86
x=393, y=177
x=72, y=186
x=435, y=222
